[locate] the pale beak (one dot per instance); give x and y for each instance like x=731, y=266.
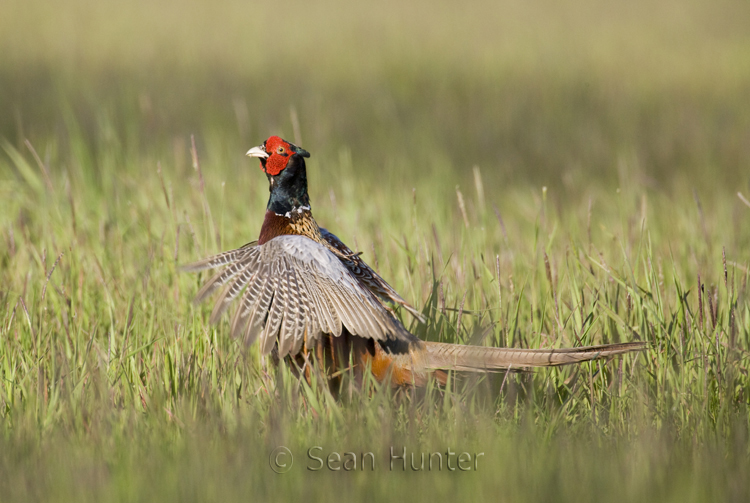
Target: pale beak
x=257, y=152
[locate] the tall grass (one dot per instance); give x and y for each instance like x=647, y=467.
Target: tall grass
x=527, y=175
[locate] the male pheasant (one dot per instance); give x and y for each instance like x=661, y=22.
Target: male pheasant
x=304, y=295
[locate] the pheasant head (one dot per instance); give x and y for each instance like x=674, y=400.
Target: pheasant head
x=284, y=165
x=276, y=154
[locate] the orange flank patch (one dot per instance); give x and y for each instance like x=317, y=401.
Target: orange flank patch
x=385, y=365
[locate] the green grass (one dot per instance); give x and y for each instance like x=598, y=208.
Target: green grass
x=529, y=175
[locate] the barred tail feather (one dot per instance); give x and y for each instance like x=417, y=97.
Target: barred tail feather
x=482, y=359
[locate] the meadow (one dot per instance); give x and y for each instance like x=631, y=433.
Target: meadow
x=527, y=174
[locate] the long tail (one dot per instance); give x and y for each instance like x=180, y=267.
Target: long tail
x=482, y=359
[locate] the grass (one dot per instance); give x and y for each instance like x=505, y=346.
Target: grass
x=528, y=175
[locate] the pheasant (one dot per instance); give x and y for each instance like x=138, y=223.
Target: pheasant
x=307, y=297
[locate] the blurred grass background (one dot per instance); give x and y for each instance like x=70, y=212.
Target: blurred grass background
x=536, y=90
x=532, y=174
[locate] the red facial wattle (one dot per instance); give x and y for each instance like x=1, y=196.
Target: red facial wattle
x=279, y=152
x=275, y=154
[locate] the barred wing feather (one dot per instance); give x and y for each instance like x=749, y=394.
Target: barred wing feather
x=293, y=289
x=367, y=276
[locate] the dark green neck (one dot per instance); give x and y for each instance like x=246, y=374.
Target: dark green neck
x=289, y=188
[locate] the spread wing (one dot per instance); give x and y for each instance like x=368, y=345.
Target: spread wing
x=367, y=276
x=293, y=289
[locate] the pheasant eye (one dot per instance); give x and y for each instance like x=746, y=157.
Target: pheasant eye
x=280, y=150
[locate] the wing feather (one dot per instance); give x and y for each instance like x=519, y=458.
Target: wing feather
x=367, y=276
x=301, y=311
x=328, y=320
x=259, y=313
x=286, y=322
x=222, y=259
x=293, y=289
